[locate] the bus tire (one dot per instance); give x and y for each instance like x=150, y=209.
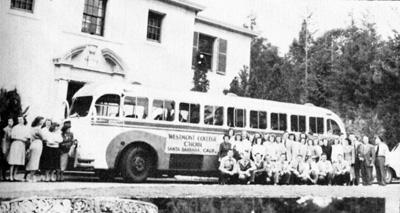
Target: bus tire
x=389, y=175
x=137, y=164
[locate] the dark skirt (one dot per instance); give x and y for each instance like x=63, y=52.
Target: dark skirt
x=50, y=158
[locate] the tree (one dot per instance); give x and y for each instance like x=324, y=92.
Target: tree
x=10, y=106
x=201, y=83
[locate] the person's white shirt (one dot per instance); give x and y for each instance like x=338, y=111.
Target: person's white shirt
x=383, y=150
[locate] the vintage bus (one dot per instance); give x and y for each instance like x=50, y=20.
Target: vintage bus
x=137, y=132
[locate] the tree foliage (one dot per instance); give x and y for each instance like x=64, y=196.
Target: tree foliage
x=351, y=71
x=200, y=81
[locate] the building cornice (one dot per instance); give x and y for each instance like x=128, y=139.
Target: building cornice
x=226, y=26
x=186, y=4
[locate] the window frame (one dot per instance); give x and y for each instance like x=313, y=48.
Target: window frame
x=212, y=51
x=161, y=16
x=298, y=123
x=235, y=109
x=189, y=117
x=258, y=119
x=102, y=18
x=214, y=109
x=279, y=114
x=119, y=106
x=145, y=112
x=22, y=9
x=316, y=124
x=163, y=107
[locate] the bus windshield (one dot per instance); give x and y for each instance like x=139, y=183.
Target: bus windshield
x=80, y=106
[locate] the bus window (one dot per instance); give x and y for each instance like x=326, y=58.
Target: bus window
x=236, y=117
x=189, y=113
x=316, y=125
x=136, y=107
x=258, y=119
x=298, y=123
x=108, y=105
x=163, y=110
x=332, y=127
x=80, y=106
x=213, y=115
x=278, y=121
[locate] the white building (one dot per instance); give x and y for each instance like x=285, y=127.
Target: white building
x=50, y=48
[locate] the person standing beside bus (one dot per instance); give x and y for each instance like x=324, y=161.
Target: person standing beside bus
x=65, y=146
x=357, y=162
x=270, y=147
x=50, y=160
x=349, y=156
x=381, y=153
x=5, y=147
x=303, y=147
x=367, y=158
x=288, y=145
x=258, y=146
x=224, y=147
x=35, y=149
x=280, y=148
x=16, y=157
x=317, y=150
x=326, y=148
x=227, y=169
x=236, y=145
x=337, y=149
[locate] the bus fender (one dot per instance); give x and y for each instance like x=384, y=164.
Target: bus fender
x=125, y=139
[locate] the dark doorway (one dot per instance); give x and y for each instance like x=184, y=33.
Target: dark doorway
x=73, y=87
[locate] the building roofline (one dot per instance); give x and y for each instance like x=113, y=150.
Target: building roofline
x=189, y=5
x=226, y=26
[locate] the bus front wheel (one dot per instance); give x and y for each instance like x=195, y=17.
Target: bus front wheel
x=136, y=164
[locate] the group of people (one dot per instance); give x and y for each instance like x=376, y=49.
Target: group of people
x=43, y=148
x=300, y=159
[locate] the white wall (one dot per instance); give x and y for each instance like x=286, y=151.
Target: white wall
x=30, y=41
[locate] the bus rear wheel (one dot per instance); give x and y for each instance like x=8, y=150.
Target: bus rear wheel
x=137, y=164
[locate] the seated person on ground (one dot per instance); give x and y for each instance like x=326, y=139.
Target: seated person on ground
x=270, y=170
x=324, y=170
x=313, y=169
x=245, y=168
x=228, y=169
x=341, y=171
x=259, y=172
x=283, y=170
x=300, y=171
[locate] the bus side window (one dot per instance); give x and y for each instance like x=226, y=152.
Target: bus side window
x=278, y=121
x=163, y=110
x=189, y=113
x=135, y=107
x=236, y=117
x=213, y=115
x=316, y=125
x=108, y=105
x=258, y=119
x=298, y=123
x=332, y=127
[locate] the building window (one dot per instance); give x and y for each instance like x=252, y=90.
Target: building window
x=154, y=26
x=22, y=4
x=206, y=44
x=93, y=17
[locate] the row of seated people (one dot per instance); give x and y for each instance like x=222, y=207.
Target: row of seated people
x=298, y=171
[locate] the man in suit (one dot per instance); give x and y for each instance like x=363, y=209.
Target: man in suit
x=366, y=154
x=357, y=163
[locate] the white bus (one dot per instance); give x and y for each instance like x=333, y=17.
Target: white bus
x=137, y=132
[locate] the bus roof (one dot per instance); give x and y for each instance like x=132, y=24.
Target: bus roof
x=96, y=89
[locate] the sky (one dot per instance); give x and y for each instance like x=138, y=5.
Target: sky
x=280, y=20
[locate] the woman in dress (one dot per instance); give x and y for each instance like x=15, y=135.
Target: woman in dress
x=16, y=157
x=257, y=147
x=65, y=146
x=349, y=156
x=50, y=160
x=337, y=149
x=5, y=147
x=280, y=147
x=303, y=147
x=236, y=145
x=35, y=149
